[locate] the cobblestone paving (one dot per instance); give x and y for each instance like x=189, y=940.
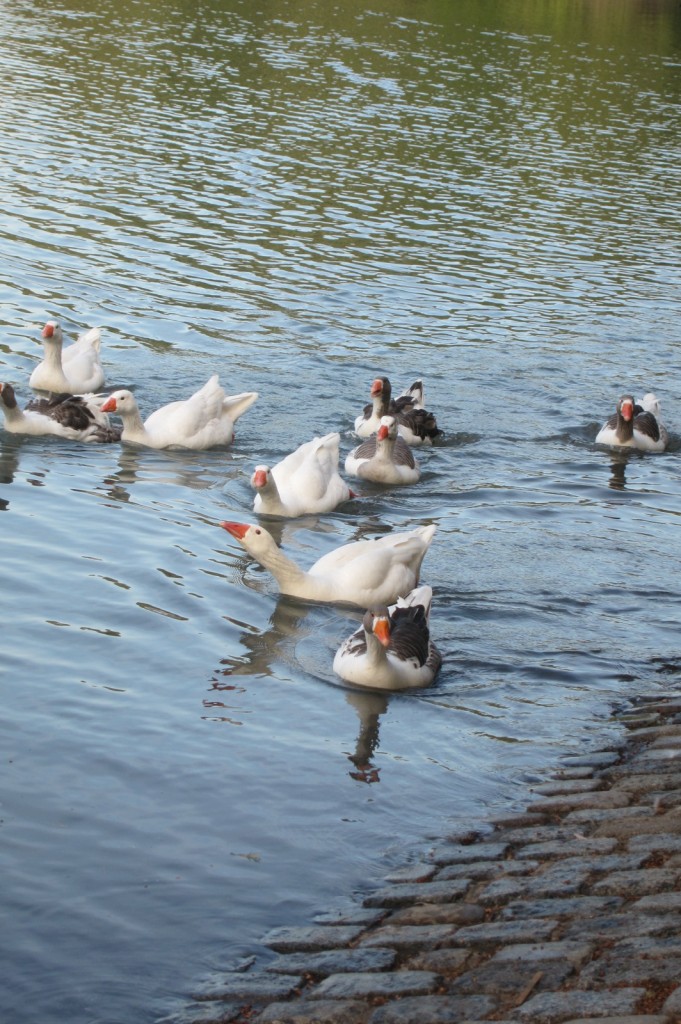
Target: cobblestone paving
x=566, y=913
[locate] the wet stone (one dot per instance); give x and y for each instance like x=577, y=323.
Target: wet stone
x=567, y=786
x=592, y=816
x=645, y=783
x=313, y=939
x=413, y=873
x=650, y=946
x=244, y=987
x=600, y=800
x=583, y=907
x=367, y=986
x=424, y=892
x=599, y=759
x=540, y=834
x=453, y=853
x=332, y=1012
x=435, y=1010
x=333, y=961
x=353, y=915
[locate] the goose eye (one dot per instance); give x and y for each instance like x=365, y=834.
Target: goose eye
x=258, y=532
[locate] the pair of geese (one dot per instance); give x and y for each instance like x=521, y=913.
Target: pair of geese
x=392, y=649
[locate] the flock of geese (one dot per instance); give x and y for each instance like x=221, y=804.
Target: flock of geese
x=392, y=649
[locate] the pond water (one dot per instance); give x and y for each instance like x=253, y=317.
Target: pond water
x=301, y=197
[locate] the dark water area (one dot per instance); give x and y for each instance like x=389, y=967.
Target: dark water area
x=301, y=198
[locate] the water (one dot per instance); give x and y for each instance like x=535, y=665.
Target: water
x=301, y=198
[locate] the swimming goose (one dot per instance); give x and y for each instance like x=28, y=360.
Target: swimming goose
x=635, y=426
x=384, y=458
x=392, y=648
x=75, y=369
x=201, y=421
x=306, y=482
x=76, y=417
x=362, y=573
x=415, y=424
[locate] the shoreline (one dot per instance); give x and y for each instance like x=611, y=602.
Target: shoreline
x=566, y=912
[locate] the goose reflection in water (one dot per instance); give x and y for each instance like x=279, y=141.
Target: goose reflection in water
x=618, y=468
x=171, y=467
x=369, y=708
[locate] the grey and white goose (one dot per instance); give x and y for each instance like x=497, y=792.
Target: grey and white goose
x=384, y=458
x=392, y=649
x=415, y=424
x=635, y=426
x=75, y=417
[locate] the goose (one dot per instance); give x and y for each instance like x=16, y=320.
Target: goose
x=635, y=426
x=415, y=424
x=201, y=421
x=75, y=369
x=392, y=648
x=362, y=573
x=384, y=458
x=77, y=417
x=306, y=482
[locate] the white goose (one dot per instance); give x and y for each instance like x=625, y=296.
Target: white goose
x=76, y=417
x=363, y=573
x=306, y=482
x=635, y=426
x=75, y=369
x=392, y=649
x=415, y=424
x=202, y=421
x=384, y=458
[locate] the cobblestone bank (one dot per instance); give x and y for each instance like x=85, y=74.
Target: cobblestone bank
x=569, y=912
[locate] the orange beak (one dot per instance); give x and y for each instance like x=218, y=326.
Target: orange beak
x=238, y=530
x=382, y=433
x=109, y=405
x=259, y=478
x=627, y=410
x=377, y=386
x=382, y=630
x=48, y=330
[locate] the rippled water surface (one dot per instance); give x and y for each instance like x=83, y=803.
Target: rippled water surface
x=301, y=197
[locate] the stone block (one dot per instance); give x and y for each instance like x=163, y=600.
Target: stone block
x=242, y=987
x=311, y=939
x=475, y=853
x=597, y=759
x=494, y=933
x=333, y=961
x=446, y=962
x=612, y=971
x=584, y=907
x=618, y=926
x=536, y=953
x=437, y=913
x=660, y=842
x=336, y=1011
x=352, y=915
x=392, y=985
x=567, y=787
x=421, y=892
x=663, y=903
x=407, y=938
x=602, y=800
x=510, y=979
x=672, y=1006
x=637, y=883
x=412, y=873
x=552, y=1007
x=567, y=848
x=435, y=1010
x=557, y=880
